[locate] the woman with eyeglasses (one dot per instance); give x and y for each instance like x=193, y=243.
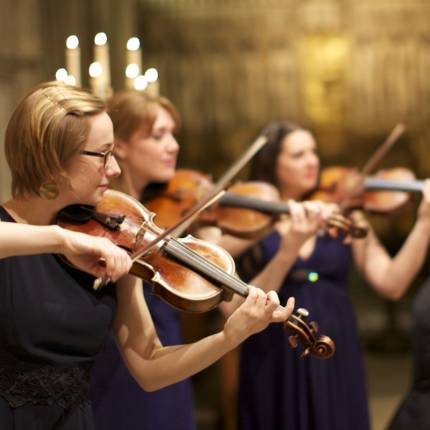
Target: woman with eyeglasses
x=53, y=323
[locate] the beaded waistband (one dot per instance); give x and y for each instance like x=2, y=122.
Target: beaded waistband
x=23, y=382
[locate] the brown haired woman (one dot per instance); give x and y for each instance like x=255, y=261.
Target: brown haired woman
x=59, y=145
x=146, y=149
x=277, y=391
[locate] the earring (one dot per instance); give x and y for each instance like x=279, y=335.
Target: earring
x=49, y=190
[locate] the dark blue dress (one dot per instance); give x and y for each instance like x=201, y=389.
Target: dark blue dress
x=414, y=412
x=119, y=402
x=277, y=390
x=52, y=325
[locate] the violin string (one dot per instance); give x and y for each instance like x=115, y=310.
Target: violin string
x=205, y=266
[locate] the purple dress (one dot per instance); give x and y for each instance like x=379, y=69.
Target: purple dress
x=119, y=402
x=277, y=390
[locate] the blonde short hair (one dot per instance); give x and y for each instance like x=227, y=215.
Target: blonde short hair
x=132, y=109
x=49, y=126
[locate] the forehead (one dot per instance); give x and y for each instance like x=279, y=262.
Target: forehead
x=163, y=118
x=298, y=140
x=101, y=131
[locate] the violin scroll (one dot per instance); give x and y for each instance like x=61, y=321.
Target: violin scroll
x=304, y=333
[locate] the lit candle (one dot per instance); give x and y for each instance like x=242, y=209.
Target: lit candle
x=134, y=61
x=73, y=58
x=151, y=75
x=140, y=83
x=97, y=85
x=61, y=75
x=131, y=72
x=101, y=55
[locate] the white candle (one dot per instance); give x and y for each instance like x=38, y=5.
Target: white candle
x=98, y=87
x=61, y=75
x=131, y=72
x=133, y=60
x=73, y=58
x=140, y=83
x=101, y=55
x=153, y=89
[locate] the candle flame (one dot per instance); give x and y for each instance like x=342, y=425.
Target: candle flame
x=95, y=70
x=61, y=74
x=151, y=74
x=140, y=83
x=132, y=71
x=70, y=80
x=72, y=42
x=100, y=39
x=133, y=44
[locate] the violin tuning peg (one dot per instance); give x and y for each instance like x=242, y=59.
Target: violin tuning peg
x=314, y=326
x=305, y=353
x=292, y=340
x=303, y=312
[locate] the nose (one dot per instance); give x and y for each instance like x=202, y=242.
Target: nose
x=112, y=168
x=172, y=145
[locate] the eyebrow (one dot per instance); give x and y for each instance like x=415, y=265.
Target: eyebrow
x=106, y=146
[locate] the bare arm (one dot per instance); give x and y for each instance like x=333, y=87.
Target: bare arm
x=154, y=366
x=391, y=276
x=82, y=250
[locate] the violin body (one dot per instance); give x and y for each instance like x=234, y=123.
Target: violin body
x=383, y=192
x=182, y=288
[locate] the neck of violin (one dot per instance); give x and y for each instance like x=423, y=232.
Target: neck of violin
x=240, y=201
x=375, y=184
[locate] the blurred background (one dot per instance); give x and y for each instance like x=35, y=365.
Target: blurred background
x=348, y=70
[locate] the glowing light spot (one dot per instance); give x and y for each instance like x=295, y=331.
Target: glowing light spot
x=72, y=42
x=133, y=44
x=100, y=39
x=313, y=276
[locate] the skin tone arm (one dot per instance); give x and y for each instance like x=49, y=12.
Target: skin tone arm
x=154, y=366
x=82, y=250
x=391, y=276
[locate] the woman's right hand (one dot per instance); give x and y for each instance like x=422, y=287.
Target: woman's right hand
x=85, y=252
x=303, y=222
x=255, y=314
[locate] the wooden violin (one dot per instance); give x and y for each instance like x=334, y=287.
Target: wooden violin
x=383, y=192
x=246, y=210
x=190, y=274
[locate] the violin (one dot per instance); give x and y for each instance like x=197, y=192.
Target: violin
x=246, y=210
x=190, y=274
x=381, y=193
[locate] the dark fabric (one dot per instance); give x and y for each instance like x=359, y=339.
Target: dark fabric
x=119, y=402
x=414, y=412
x=277, y=390
x=52, y=324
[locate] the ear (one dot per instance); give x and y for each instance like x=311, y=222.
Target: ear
x=121, y=149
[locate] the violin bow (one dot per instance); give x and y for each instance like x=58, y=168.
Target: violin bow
x=374, y=159
x=225, y=179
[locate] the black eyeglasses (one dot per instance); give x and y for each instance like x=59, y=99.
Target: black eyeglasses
x=107, y=156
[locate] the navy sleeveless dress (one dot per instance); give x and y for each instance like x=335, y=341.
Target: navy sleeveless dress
x=52, y=325
x=279, y=391
x=414, y=412
x=119, y=402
